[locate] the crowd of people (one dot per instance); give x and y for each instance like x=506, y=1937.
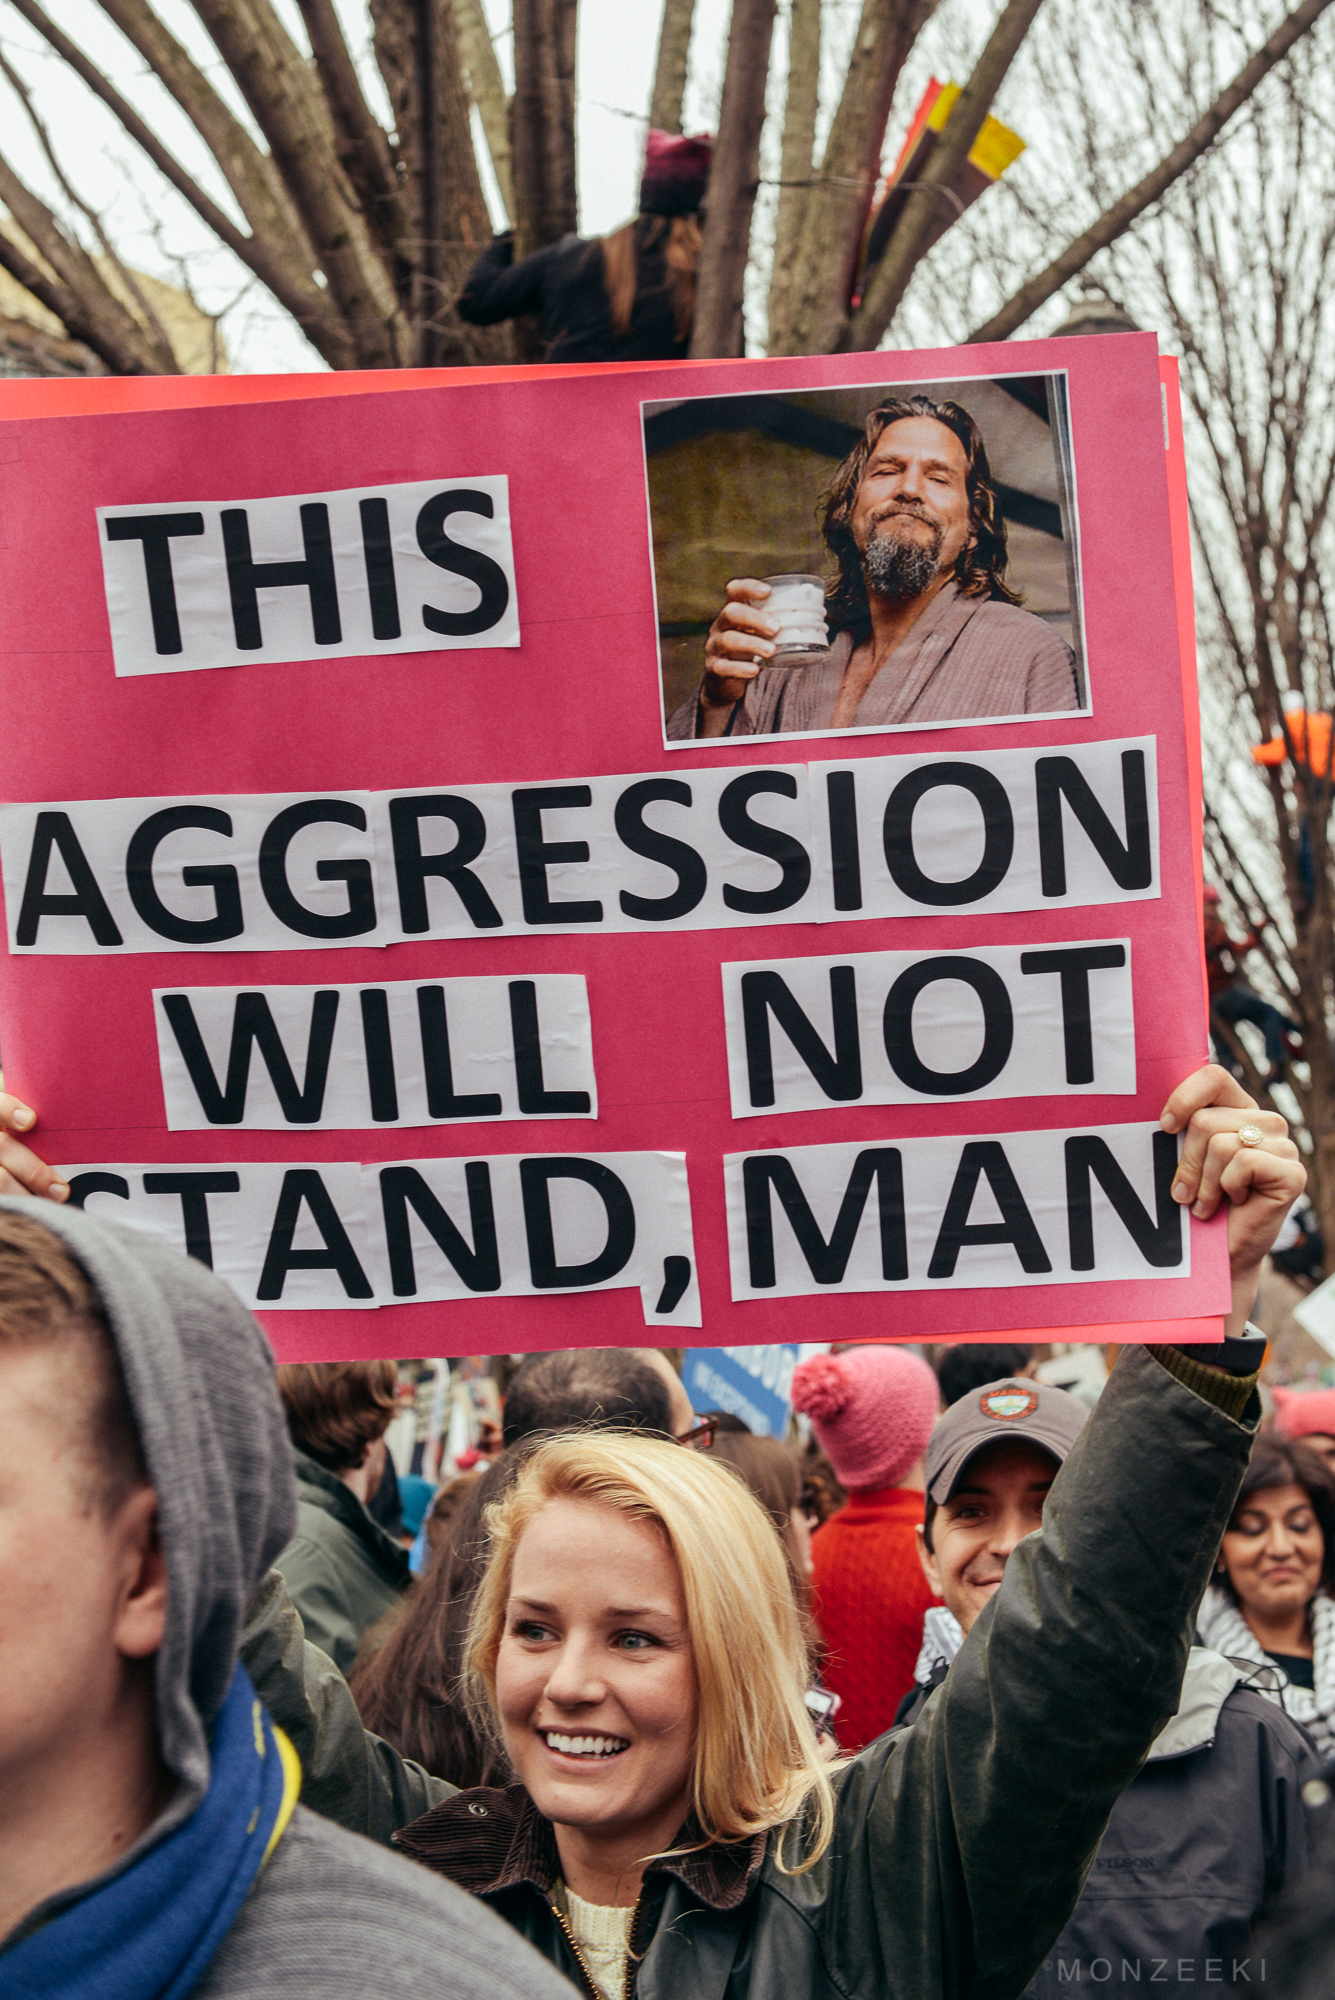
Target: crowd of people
x=970, y=1690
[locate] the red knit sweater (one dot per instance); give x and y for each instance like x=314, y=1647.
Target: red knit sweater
x=870, y=1595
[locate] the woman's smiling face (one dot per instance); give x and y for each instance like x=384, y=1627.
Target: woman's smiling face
x=1274, y=1550
x=595, y=1677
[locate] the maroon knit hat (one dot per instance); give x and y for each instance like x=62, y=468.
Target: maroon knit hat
x=676, y=171
x=872, y=1409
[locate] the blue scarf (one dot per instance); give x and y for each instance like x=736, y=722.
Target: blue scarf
x=150, y=1933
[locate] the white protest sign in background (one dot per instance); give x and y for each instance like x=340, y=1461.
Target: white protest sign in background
x=754, y=1383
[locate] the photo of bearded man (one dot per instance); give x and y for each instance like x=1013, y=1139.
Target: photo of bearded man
x=923, y=627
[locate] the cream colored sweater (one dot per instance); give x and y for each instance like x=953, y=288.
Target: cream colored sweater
x=603, y=1937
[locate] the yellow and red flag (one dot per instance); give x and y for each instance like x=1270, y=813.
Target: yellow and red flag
x=995, y=149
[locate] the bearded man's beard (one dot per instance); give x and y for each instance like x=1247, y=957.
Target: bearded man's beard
x=896, y=567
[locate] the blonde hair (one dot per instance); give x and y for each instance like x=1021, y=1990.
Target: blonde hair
x=621, y=266
x=756, y=1761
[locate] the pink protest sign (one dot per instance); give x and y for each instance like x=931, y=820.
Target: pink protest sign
x=405, y=915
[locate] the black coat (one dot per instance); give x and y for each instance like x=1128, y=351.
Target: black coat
x=1198, y=1849
x=563, y=286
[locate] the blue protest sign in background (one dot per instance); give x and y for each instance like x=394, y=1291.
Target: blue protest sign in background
x=753, y=1383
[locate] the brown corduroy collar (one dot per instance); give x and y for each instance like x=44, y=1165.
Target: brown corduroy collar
x=490, y=1839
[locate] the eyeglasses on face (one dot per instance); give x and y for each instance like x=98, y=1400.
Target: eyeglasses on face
x=702, y=1437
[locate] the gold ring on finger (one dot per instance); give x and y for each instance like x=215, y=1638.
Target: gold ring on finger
x=1251, y=1135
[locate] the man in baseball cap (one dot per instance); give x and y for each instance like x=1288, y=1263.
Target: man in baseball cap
x=990, y=1462
x=1211, y=1831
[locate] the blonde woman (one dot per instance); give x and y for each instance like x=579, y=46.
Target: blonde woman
x=670, y=1833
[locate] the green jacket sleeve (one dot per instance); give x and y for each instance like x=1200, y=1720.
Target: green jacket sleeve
x=347, y=1774
x=320, y=1599
x=964, y=1841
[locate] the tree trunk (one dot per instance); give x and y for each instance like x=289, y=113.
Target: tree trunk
x=890, y=279
x=434, y=281
x=834, y=210
x=429, y=300
x=674, y=48
x=363, y=148
x=71, y=287
x=799, y=147
x=733, y=179
x=546, y=204
x=486, y=88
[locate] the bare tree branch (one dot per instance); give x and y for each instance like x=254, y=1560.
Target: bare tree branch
x=801, y=109
x=486, y=88
x=432, y=260
x=1119, y=218
x=146, y=316
x=39, y=353
x=249, y=172
x=362, y=146
x=278, y=259
x=674, y=48
x=734, y=176
x=76, y=293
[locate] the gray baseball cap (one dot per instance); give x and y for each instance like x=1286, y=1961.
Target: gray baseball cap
x=1020, y=1409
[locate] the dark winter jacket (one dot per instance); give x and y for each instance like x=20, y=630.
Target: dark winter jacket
x=1198, y=1848
x=563, y=286
x=342, y=1569
x=962, y=1844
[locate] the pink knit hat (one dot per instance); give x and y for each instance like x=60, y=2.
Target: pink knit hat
x=872, y=1409
x=1301, y=1413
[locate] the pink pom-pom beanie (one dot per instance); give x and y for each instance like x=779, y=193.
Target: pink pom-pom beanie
x=1301, y=1413
x=872, y=1410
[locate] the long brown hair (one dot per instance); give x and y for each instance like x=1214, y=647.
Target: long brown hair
x=408, y=1691
x=980, y=567
x=774, y=1475
x=623, y=250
